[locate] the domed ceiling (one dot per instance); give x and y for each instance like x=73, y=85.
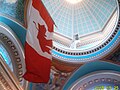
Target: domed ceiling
x=77, y=19
x=84, y=30
x=82, y=18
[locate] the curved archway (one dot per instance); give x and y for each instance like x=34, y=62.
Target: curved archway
x=14, y=48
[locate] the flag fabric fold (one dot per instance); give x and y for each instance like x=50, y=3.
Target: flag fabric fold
x=38, y=44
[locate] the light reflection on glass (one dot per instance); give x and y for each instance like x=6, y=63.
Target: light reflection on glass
x=6, y=57
x=10, y=1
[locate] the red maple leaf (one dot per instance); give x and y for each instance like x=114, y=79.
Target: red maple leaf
x=44, y=43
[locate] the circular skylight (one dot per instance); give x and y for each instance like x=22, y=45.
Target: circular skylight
x=73, y=1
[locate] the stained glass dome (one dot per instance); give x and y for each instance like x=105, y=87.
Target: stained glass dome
x=86, y=20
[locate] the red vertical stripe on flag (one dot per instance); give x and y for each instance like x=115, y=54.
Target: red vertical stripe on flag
x=38, y=67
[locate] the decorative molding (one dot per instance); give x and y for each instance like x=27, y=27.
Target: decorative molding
x=15, y=50
x=7, y=80
x=95, y=78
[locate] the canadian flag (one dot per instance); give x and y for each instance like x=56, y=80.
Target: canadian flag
x=38, y=44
